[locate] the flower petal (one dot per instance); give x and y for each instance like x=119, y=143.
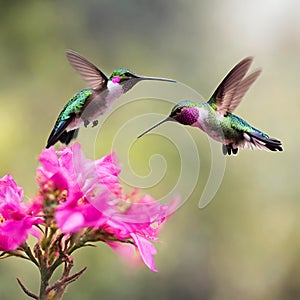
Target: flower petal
x=146, y=250
x=69, y=221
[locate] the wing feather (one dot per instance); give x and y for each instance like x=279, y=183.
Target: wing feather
x=233, y=87
x=240, y=91
x=94, y=77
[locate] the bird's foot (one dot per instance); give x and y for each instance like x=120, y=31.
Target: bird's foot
x=95, y=123
x=86, y=123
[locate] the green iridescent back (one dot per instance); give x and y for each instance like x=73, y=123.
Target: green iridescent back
x=75, y=104
x=241, y=125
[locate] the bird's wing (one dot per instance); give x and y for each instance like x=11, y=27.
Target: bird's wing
x=241, y=90
x=231, y=90
x=57, y=131
x=94, y=77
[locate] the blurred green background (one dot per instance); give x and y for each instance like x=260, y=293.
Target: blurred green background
x=245, y=244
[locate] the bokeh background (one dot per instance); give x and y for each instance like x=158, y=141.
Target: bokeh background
x=246, y=243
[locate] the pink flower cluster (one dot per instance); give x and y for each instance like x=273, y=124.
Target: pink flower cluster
x=16, y=222
x=86, y=196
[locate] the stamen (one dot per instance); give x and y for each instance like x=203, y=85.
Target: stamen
x=63, y=195
x=125, y=203
x=2, y=219
x=81, y=201
x=123, y=206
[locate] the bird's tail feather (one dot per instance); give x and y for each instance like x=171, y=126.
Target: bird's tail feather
x=67, y=136
x=256, y=140
x=228, y=149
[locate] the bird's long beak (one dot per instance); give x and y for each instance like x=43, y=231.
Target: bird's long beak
x=156, y=125
x=140, y=78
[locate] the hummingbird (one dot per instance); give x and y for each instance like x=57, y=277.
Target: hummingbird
x=216, y=117
x=89, y=104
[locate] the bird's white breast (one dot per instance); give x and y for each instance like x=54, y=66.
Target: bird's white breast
x=102, y=103
x=210, y=124
x=202, y=119
x=115, y=91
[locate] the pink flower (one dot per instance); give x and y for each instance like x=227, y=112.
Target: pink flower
x=15, y=221
x=139, y=219
x=82, y=179
x=94, y=199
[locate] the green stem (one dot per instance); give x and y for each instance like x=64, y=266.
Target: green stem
x=84, y=239
x=47, y=271
x=45, y=277
x=59, y=260
x=30, y=255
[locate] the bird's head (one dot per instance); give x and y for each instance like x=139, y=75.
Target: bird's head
x=185, y=112
x=129, y=79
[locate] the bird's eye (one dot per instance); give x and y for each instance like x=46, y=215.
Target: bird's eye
x=127, y=74
x=176, y=111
